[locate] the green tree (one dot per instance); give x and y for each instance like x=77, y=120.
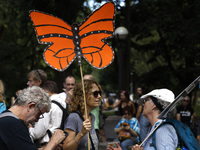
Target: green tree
x=164, y=35
x=19, y=50
x=165, y=43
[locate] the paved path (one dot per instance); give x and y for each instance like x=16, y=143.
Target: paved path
x=103, y=146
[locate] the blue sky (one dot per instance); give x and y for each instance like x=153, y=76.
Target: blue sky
x=92, y=2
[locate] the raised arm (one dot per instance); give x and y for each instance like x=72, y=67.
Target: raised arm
x=115, y=104
x=73, y=140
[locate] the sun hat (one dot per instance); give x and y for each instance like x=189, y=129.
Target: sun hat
x=160, y=94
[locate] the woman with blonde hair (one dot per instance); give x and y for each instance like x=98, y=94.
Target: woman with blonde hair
x=2, y=104
x=76, y=124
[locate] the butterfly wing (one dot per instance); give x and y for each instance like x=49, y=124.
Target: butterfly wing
x=57, y=33
x=93, y=31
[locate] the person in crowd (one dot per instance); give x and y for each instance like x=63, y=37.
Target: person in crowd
x=128, y=129
x=36, y=77
x=88, y=77
x=29, y=107
x=185, y=112
x=45, y=127
x=68, y=85
x=123, y=102
x=154, y=103
x=144, y=122
x=95, y=111
x=74, y=125
x=198, y=132
x=139, y=93
x=2, y=103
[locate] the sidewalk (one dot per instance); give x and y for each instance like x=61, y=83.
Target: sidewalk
x=102, y=145
x=110, y=135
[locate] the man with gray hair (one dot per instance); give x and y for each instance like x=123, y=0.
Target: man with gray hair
x=27, y=109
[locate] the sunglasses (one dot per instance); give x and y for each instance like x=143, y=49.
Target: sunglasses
x=96, y=93
x=145, y=100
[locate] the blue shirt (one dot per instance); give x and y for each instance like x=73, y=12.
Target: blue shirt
x=2, y=107
x=134, y=125
x=166, y=138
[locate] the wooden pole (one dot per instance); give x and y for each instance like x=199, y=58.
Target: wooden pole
x=151, y=133
x=85, y=104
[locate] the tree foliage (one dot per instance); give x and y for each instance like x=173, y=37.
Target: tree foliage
x=164, y=35
x=19, y=49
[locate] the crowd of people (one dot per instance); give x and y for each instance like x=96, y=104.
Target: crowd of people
x=34, y=121
x=166, y=137
x=35, y=118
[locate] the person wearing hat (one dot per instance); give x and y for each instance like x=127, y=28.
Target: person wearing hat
x=154, y=103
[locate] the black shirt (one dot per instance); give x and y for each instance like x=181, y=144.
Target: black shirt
x=185, y=114
x=14, y=134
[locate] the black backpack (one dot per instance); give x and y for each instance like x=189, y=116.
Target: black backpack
x=64, y=116
x=65, y=113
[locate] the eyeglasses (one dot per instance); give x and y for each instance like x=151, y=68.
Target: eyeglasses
x=146, y=99
x=41, y=114
x=96, y=93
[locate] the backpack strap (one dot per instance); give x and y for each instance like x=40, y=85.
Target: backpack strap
x=154, y=135
x=81, y=116
x=61, y=107
x=64, y=111
x=5, y=114
x=49, y=133
x=167, y=121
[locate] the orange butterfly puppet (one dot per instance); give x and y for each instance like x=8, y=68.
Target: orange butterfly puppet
x=84, y=40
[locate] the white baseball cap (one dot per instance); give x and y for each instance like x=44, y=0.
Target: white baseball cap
x=161, y=94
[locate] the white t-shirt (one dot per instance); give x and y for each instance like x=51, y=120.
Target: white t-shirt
x=51, y=121
x=63, y=95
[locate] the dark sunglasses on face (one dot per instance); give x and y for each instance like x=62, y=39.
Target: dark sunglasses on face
x=96, y=93
x=145, y=100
